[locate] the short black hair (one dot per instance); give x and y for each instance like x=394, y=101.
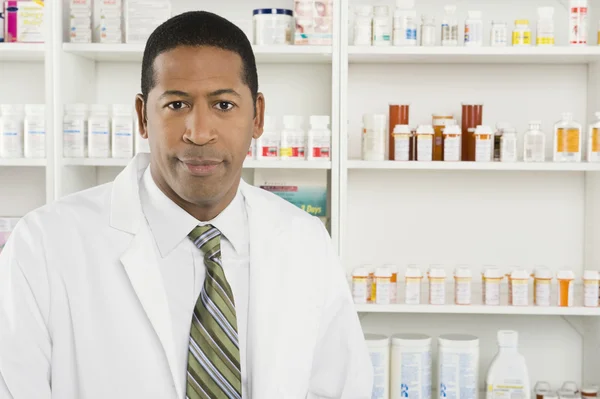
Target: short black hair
x=199, y=28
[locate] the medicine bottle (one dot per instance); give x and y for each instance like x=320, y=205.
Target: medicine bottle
x=492, y=280
x=437, y=286
x=590, y=288
x=427, y=31
x=450, y=26
x=370, y=283
x=425, y=135
x=399, y=115
x=578, y=22
x=521, y=33
x=11, y=131
x=405, y=24
x=439, y=122
x=360, y=291
x=472, y=116
x=534, y=146
x=508, y=145
x=35, y=131
x=402, y=143
x=452, y=143
x=319, y=138
x=383, y=286
x=484, y=143
x=462, y=286
x=267, y=145
x=122, y=131
x=382, y=32
x=593, y=146
x=393, y=282
x=542, y=286
x=373, y=137
x=589, y=392
x=569, y=386
x=99, y=132
x=541, y=388
x=565, y=288
x=519, y=293
x=363, y=25
x=568, y=138
x=474, y=29
x=412, y=286
x=292, y=138
x=499, y=34
x=75, y=131
x=545, y=26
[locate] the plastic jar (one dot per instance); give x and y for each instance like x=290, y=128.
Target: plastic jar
x=319, y=139
x=383, y=286
x=363, y=25
x=379, y=351
x=578, y=25
x=458, y=366
x=35, y=131
x=360, y=292
x=11, y=131
x=411, y=366
x=122, y=131
x=492, y=280
x=450, y=26
x=534, y=143
x=590, y=391
x=484, y=143
x=452, y=143
x=521, y=33
x=508, y=145
x=437, y=286
x=402, y=139
x=541, y=388
x=545, y=26
x=405, y=23
x=519, y=280
x=474, y=29
x=292, y=138
x=565, y=288
x=499, y=34
x=569, y=386
x=590, y=288
x=99, y=132
x=412, y=286
x=373, y=137
x=273, y=26
x=267, y=145
x=75, y=131
x=382, y=32
x=462, y=286
x=542, y=286
x=425, y=135
x=427, y=31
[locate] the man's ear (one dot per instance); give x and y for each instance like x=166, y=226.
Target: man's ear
x=259, y=117
x=140, y=109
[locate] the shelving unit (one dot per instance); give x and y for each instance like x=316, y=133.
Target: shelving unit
x=477, y=166
x=479, y=310
x=22, y=51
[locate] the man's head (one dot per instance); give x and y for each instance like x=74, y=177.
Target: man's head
x=199, y=108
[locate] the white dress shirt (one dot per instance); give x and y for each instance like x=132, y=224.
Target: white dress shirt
x=182, y=264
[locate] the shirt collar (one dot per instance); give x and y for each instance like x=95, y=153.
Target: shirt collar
x=170, y=224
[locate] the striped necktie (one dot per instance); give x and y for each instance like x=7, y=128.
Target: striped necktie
x=213, y=370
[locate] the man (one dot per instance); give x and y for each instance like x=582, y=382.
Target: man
x=179, y=280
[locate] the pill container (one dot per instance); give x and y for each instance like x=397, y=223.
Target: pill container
x=412, y=286
x=273, y=26
x=519, y=295
x=462, y=285
x=437, y=286
x=411, y=367
x=590, y=288
x=360, y=292
x=492, y=280
x=565, y=288
x=379, y=351
x=542, y=286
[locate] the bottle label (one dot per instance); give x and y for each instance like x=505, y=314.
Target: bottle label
x=514, y=390
x=269, y=151
x=596, y=139
x=542, y=292
x=401, y=147
x=545, y=41
x=590, y=293
x=567, y=141
x=483, y=147
x=578, y=25
x=425, y=147
x=521, y=38
x=412, y=293
x=452, y=145
x=359, y=289
x=520, y=292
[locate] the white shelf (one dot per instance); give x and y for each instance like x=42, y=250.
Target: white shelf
x=480, y=309
x=22, y=162
x=21, y=51
x=95, y=161
x=470, y=55
x=497, y=166
x=252, y=164
x=264, y=54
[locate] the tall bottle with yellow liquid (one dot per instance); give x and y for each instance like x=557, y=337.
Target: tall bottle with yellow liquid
x=568, y=139
x=594, y=140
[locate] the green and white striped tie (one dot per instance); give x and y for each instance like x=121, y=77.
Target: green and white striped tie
x=213, y=370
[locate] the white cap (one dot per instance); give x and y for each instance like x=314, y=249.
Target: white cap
x=383, y=272
x=270, y=122
x=413, y=272
x=492, y=272
x=567, y=116
x=590, y=389
x=463, y=272
x=597, y=114
x=99, y=109
x=374, y=121
x=435, y=272
x=458, y=341
x=319, y=121
x=519, y=275
x=452, y=129
x=483, y=129
x=392, y=268
x=35, y=109
x=474, y=14
x=402, y=129
x=565, y=275
x=11, y=109
x=122, y=109
x=508, y=339
x=412, y=340
x=425, y=129
x=591, y=275
x=292, y=122
x=360, y=272
x=537, y=124
x=543, y=273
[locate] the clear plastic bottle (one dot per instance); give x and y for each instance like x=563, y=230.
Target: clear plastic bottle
x=75, y=131
x=593, y=146
x=474, y=29
x=427, y=31
x=521, y=33
x=363, y=25
x=382, y=31
x=267, y=145
x=534, y=146
x=545, y=26
x=35, y=131
x=405, y=25
x=99, y=132
x=122, y=131
x=578, y=22
x=508, y=375
x=11, y=131
x=319, y=139
x=450, y=26
x=293, y=140
x=568, y=139
x=499, y=34
x=508, y=145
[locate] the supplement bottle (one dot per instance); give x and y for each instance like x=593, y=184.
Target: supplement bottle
x=450, y=26
x=373, y=137
x=439, y=122
x=99, y=132
x=399, y=115
x=472, y=116
x=405, y=23
x=75, y=131
x=383, y=286
x=484, y=143
x=122, y=131
x=492, y=280
x=411, y=366
x=35, y=131
x=565, y=288
x=545, y=26
x=11, y=130
x=593, y=146
x=427, y=31
x=319, y=138
x=542, y=286
x=568, y=137
x=382, y=32
x=379, y=351
x=363, y=25
x=462, y=286
x=519, y=291
x=267, y=145
x=541, y=389
x=521, y=33
x=534, y=146
x=508, y=375
x=425, y=134
x=578, y=17
x=402, y=143
x=590, y=288
x=452, y=143
x=474, y=29
x=499, y=34
x=360, y=292
x=437, y=286
x=412, y=286
x=458, y=366
x=508, y=145
x=292, y=138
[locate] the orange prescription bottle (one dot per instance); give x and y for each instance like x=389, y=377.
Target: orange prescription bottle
x=383, y=283
x=437, y=286
x=520, y=288
x=439, y=122
x=492, y=280
x=542, y=286
x=412, y=286
x=393, y=283
x=462, y=286
x=590, y=288
x=360, y=292
x=565, y=288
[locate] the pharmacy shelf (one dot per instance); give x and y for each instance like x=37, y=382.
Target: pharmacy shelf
x=21, y=51
x=252, y=164
x=465, y=166
x=480, y=309
x=22, y=162
x=470, y=55
x=264, y=54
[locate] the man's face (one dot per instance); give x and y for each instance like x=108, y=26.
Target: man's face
x=200, y=119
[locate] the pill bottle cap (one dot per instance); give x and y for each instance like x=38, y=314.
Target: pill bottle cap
x=437, y=273
x=381, y=11
x=11, y=109
x=567, y=116
x=374, y=121
x=292, y=122
x=565, y=275
x=463, y=272
x=425, y=129
x=569, y=386
x=99, y=109
x=590, y=389
x=522, y=22
x=483, y=129
x=360, y=272
x=413, y=272
x=452, y=129
x=35, y=109
x=543, y=272
x=383, y=272
x=492, y=272
x=450, y=8
x=508, y=339
x=411, y=340
x=545, y=12
x=401, y=129
x=76, y=108
x=377, y=341
x=591, y=275
x=319, y=121
x=122, y=109
x=519, y=275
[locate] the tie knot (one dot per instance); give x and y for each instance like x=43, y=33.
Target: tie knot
x=208, y=239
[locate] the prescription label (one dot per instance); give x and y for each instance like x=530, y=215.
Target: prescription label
x=521, y=38
x=437, y=291
x=360, y=289
x=513, y=391
x=542, y=292
x=595, y=144
x=412, y=292
x=520, y=292
x=401, y=147
x=492, y=292
x=590, y=293
x=567, y=141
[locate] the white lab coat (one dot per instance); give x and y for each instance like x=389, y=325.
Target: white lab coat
x=84, y=315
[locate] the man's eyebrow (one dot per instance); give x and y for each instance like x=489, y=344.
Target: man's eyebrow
x=223, y=91
x=177, y=93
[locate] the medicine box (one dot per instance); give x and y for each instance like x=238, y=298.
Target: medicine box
x=314, y=22
x=143, y=16
x=24, y=21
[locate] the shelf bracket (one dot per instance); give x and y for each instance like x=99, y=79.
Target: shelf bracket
x=577, y=323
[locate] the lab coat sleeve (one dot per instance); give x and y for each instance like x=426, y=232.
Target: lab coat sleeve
x=342, y=365
x=25, y=347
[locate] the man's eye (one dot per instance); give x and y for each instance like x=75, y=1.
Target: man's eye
x=176, y=105
x=224, y=106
